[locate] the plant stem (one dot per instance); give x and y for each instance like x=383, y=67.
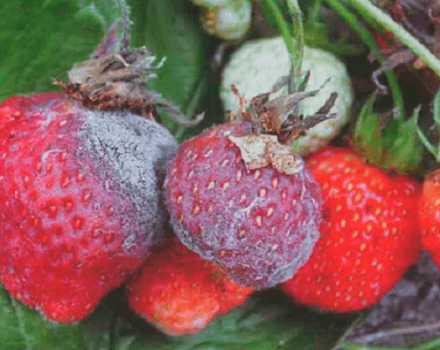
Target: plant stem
x=368, y=39
x=373, y=14
x=282, y=25
x=297, y=55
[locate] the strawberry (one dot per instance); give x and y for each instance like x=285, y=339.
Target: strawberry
x=228, y=20
x=369, y=235
x=179, y=292
x=80, y=188
x=258, y=64
x=240, y=198
x=429, y=215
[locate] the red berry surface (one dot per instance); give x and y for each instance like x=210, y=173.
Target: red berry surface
x=180, y=292
x=80, y=201
x=369, y=236
x=429, y=215
x=259, y=225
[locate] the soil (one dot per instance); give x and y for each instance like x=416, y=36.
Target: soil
x=408, y=315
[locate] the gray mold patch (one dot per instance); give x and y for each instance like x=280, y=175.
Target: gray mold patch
x=131, y=154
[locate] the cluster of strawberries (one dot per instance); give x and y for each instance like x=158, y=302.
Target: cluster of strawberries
x=88, y=191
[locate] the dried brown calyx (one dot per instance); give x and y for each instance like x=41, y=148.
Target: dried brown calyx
x=116, y=77
x=275, y=122
x=278, y=116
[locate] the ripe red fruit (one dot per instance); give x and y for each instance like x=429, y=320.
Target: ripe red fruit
x=179, y=292
x=429, y=215
x=80, y=192
x=369, y=235
x=259, y=225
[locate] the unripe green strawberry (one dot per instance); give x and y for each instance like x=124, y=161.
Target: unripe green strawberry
x=257, y=65
x=227, y=19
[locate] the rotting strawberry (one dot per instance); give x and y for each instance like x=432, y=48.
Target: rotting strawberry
x=240, y=198
x=81, y=183
x=370, y=234
x=179, y=292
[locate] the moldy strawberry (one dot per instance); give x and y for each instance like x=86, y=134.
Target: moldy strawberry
x=80, y=183
x=239, y=197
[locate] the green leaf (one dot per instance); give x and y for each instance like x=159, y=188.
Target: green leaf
x=41, y=39
x=367, y=134
x=268, y=321
x=169, y=29
x=405, y=153
x=23, y=329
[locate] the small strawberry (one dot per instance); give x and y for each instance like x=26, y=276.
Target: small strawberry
x=369, y=236
x=240, y=198
x=179, y=292
x=80, y=188
x=229, y=20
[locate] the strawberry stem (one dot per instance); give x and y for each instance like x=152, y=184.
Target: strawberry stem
x=294, y=45
x=435, y=151
x=373, y=14
x=368, y=39
x=282, y=26
x=298, y=31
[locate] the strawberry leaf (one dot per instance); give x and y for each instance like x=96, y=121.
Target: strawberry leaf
x=41, y=40
x=169, y=29
x=21, y=328
x=267, y=321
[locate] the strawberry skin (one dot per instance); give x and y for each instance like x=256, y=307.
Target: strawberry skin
x=259, y=225
x=429, y=215
x=369, y=236
x=80, y=198
x=179, y=292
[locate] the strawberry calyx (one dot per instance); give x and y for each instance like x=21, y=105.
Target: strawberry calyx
x=274, y=123
x=116, y=77
x=263, y=150
x=277, y=115
x=386, y=141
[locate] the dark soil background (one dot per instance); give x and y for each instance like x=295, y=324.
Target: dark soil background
x=408, y=315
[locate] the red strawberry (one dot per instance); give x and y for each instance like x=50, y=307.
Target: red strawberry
x=180, y=292
x=80, y=189
x=241, y=199
x=369, y=235
x=429, y=215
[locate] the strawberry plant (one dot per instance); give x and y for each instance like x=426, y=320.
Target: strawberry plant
x=280, y=221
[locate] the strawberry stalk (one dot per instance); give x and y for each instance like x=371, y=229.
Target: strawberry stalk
x=434, y=150
x=374, y=15
x=294, y=45
x=368, y=39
